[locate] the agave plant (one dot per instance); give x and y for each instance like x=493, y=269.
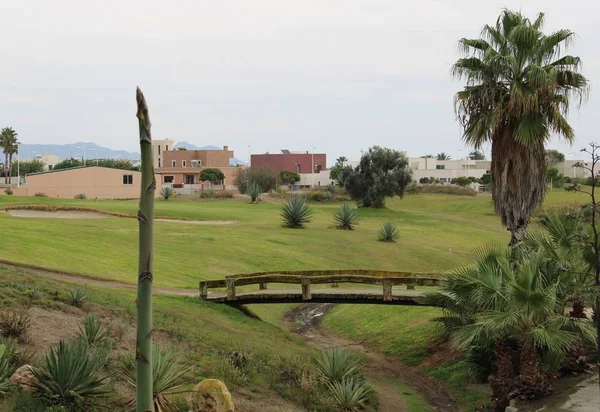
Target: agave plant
x=335, y=364
x=92, y=331
x=350, y=394
x=77, y=296
x=71, y=378
x=254, y=190
x=167, y=192
x=6, y=370
x=296, y=212
x=388, y=232
x=346, y=216
x=168, y=376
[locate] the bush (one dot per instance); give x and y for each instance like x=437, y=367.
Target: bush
x=264, y=176
x=92, y=332
x=424, y=181
x=71, y=378
x=8, y=191
x=167, y=192
x=289, y=178
x=14, y=324
x=388, y=232
x=463, y=181
x=334, y=365
x=213, y=175
x=41, y=194
x=296, y=212
x=317, y=195
x=16, y=355
x=346, y=216
x=254, y=191
x=77, y=297
x=6, y=370
x=442, y=189
x=216, y=194
x=279, y=193
x=168, y=377
x=80, y=196
x=350, y=394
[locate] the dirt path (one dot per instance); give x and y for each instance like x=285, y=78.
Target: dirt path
x=304, y=320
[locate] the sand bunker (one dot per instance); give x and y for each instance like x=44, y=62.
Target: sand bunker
x=197, y=222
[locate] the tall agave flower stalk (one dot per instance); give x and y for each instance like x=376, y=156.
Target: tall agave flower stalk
x=144, y=295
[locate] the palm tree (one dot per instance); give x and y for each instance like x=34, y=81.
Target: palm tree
x=9, y=143
x=476, y=155
x=518, y=89
x=443, y=156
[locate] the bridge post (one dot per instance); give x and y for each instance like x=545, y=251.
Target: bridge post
x=230, y=284
x=262, y=286
x=387, y=290
x=203, y=290
x=306, y=295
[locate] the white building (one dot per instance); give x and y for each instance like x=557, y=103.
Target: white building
x=49, y=160
x=446, y=170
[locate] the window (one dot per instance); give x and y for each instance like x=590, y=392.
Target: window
x=443, y=180
x=173, y=164
x=183, y=163
x=189, y=179
x=166, y=148
x=159, y=150
x=168, y=179
x=440, y=167
x=159, y=162
x=127, y=179
x=297, y=168
x=196, y=163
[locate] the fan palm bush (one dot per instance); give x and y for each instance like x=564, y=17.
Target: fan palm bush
x=254, y=190
x=93, y=333
x=350, y=394
x=169, y=377
x=335, y=364
x=70, y=377
x=346, y=216
x=388, y=232
x=167, y=192
x=296, y=212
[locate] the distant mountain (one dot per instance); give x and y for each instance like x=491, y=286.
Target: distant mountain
x=233, y=161
x=66, y=151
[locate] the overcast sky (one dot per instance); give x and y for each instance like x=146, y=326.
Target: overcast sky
x=341, y=75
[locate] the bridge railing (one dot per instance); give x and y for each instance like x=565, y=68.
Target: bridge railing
x=307, y=278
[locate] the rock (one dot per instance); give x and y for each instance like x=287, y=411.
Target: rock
x=211, y=395
x=23, y=378
x=511, y=409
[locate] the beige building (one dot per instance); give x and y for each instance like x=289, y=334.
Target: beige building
x=446, y=170
x=49, y=160
x=159, y=147
x=93, y=181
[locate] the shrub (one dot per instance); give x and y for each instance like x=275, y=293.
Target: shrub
x=264, y=176
x=279, y=192
x=215, y=194
x=442, y=189
x=168, y=377
x=388, y=232
x=317, y=195
x=6, y=370
x=463, y=181
x=350, y=393
x=213, y=175
x=14, y=324
x=254, y=191
x=77, y=297
x=296, y=212
x=167, y=192
x=41, y=194
x=92, y=332
x=16, y=355
x=289, y=178
x=80, y=196
x=334, y=365
x=424, y=180
x=71, y=378
x=346, y=216
x=207, y=194
x=8, y=191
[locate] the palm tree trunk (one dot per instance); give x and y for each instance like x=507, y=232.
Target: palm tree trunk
x=10, y=168
x=519, y=181
x=5, y=167
x=533, y=381
x=144, y=390
x=503, y=381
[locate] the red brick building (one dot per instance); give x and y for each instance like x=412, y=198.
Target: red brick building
x=292, y=162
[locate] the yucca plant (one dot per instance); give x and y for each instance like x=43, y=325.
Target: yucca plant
x=92, y=331
x=71, y=378
x=296, y=212
x=168, y=376
x=335, y=364
x=6, y=370
x=77, y=296
x=346, y=216
x=167, y=192
x=254, y=190
x=350, y=394
x=388, y=232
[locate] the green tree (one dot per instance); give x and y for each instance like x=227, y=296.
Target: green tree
x=9, y=143
x=443, y=156
x=553, y=157
x=289, y=178
x=382, y=173
x=486, y=179
x=213, y=175
x=518, y=88
x=27, y=167
x=476, y=155
x=265, y=177
x=336, y=172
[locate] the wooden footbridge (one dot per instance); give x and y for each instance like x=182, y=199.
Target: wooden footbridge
x=321, y=286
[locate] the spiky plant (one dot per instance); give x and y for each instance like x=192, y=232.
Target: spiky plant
x=6, y=370
x=92, y=331
x=296, y=212
x=166, y=192
x=144, y=292
x=335, y=364
x=346, y=216
x=350, y=394
x=71, y=378
x=388, y=232
x=169, y=377
x=254, y=190
x=77, y=296
x=8, y=191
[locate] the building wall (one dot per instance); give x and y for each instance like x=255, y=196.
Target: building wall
x=290, y=162
x=317, y=179
x=159, y=147
x=179, y=175
x=94, y=182
x=206, y=158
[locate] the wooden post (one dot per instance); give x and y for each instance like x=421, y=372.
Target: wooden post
x=203, y=290
x=230, y=284
x=387, y=290
x=306, y=295
x=262, y=286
